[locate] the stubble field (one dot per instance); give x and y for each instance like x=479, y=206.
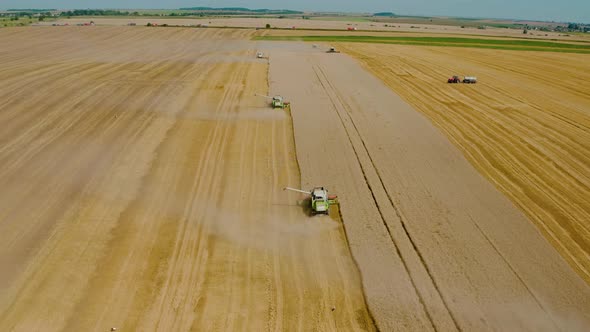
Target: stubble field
x=141, y=189
x=141, y=185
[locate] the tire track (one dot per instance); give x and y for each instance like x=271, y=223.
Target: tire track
x=216, y=144
x=340, y=107
x=462, y=113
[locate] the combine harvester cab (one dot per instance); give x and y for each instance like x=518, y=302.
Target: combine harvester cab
x=277, y=102
x=319, y=201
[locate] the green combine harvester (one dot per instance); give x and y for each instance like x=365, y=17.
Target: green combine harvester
x=276, y=101
x=320, y=200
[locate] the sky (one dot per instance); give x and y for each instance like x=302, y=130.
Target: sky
x=546, y=10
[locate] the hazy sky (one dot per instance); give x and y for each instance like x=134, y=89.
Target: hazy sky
x=564, y=10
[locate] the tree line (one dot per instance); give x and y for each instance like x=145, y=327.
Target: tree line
x=97, y=12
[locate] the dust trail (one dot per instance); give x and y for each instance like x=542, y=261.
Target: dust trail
x=271, y=232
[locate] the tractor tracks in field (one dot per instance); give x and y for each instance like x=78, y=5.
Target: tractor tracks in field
x=425, y=286
x=531, y=145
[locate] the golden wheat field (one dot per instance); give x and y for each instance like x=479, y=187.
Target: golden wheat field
x=142, y=176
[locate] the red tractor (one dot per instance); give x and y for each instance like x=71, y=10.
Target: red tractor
x=454, y=79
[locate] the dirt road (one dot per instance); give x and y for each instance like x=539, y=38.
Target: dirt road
x=438, y=246
x=141, y=189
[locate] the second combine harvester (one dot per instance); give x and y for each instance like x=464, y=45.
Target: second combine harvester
x=276, y=101
x=320, y=200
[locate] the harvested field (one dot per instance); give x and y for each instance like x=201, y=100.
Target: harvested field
x=525, y=126
x=435, y=32
x=141, y=189
x=141, y=185
x=334, y=26
x=438, y=247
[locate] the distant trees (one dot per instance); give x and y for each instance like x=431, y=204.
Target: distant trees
x=573, y=26
x=267, y=26
x=196, y=11
x=14, y=15
x=94, y=12
x=385, y=14
x=241, y=10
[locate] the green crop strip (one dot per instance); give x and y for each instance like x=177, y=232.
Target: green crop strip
x=503, y=44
